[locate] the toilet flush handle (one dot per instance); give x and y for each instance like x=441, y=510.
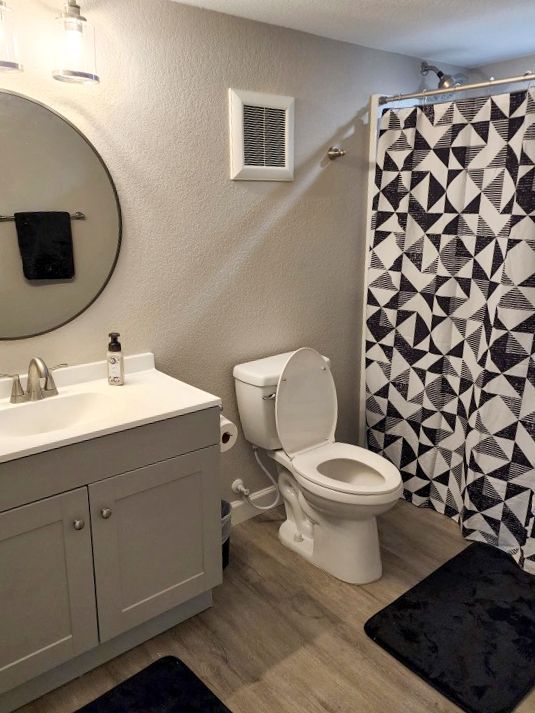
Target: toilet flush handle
x=269, y=397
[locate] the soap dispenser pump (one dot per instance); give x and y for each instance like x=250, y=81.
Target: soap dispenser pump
x=115, y=361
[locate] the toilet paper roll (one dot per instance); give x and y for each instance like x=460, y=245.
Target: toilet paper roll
x=228, y=434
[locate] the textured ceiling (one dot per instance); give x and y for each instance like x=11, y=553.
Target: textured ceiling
x=467, y=33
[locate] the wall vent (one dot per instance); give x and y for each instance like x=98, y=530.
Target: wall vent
x=261, y=136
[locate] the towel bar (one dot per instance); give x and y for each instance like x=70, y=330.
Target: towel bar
x=75, y=216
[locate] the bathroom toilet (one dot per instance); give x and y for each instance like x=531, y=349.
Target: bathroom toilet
x=332, y=491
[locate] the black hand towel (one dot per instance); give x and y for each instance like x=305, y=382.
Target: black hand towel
x=45, y=244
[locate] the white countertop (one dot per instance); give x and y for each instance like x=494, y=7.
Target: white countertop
x=87, y=407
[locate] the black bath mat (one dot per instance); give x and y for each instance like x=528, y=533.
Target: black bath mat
x=468, y=630
x=166, y=686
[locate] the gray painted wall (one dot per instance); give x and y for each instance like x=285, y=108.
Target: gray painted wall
x=215, y=272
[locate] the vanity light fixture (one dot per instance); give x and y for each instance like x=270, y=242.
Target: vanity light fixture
x=9, y=55
x=76, y=50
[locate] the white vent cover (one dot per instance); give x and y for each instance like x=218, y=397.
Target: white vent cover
x=261, y=136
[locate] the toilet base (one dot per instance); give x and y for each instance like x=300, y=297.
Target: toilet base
x=347, y=549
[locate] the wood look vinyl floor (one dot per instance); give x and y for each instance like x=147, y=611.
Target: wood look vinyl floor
x=284, y=637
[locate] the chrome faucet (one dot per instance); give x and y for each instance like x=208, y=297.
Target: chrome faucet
x=38, y=370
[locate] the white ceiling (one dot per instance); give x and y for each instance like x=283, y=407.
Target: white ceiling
x=467, y=33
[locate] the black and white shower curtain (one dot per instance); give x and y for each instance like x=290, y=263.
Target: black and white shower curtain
x=450, y=370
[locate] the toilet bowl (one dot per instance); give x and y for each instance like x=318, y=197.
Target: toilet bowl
x=332, y=491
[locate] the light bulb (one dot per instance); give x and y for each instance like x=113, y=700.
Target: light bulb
x=76, y=51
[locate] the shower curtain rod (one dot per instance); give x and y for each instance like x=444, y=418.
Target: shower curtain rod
x=528, y=77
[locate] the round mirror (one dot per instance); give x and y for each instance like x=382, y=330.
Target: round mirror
x=60, y=220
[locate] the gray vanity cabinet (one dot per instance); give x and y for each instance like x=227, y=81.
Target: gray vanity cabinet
x=152, y=548
x=47, y=596
x=104, y=544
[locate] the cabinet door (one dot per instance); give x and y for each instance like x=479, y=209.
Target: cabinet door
x=47, y=589
x=156, y=538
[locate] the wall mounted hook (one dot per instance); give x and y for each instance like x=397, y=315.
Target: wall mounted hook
x=335, y=152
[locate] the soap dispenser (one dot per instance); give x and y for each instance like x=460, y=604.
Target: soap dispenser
x=115, y=361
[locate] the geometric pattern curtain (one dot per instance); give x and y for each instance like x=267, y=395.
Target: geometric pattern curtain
x=450, y=369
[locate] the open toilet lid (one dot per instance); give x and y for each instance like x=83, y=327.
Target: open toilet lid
x=306, y=407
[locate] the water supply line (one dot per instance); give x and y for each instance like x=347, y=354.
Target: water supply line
x=239, y=488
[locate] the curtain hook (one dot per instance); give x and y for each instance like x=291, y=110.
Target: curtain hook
x=530, y=81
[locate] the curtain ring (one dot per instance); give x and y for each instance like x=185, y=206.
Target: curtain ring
x=490, y=88
x=530, y=82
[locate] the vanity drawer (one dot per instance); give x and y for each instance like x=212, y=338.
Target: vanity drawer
x=39, y=476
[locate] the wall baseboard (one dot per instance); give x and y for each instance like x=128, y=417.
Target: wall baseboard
x=242, y=510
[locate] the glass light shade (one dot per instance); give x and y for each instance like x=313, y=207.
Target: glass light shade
x=9, y=54
x=75, y=50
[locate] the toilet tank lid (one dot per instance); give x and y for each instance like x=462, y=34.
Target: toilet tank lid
x=264, y=372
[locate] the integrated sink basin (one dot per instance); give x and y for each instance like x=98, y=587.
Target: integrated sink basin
x=53, y=414
x=87, y=407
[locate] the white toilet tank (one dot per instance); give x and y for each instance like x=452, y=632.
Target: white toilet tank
x=256, y=387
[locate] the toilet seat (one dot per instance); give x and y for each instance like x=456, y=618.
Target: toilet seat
x=306, y=407
x=344, y=468
x=306, y=412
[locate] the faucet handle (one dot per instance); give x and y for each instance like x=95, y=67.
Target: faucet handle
x=17, y=392
x=50, y=387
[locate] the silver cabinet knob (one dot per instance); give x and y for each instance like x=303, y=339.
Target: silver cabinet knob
x=106, y=513
x=78, y=524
